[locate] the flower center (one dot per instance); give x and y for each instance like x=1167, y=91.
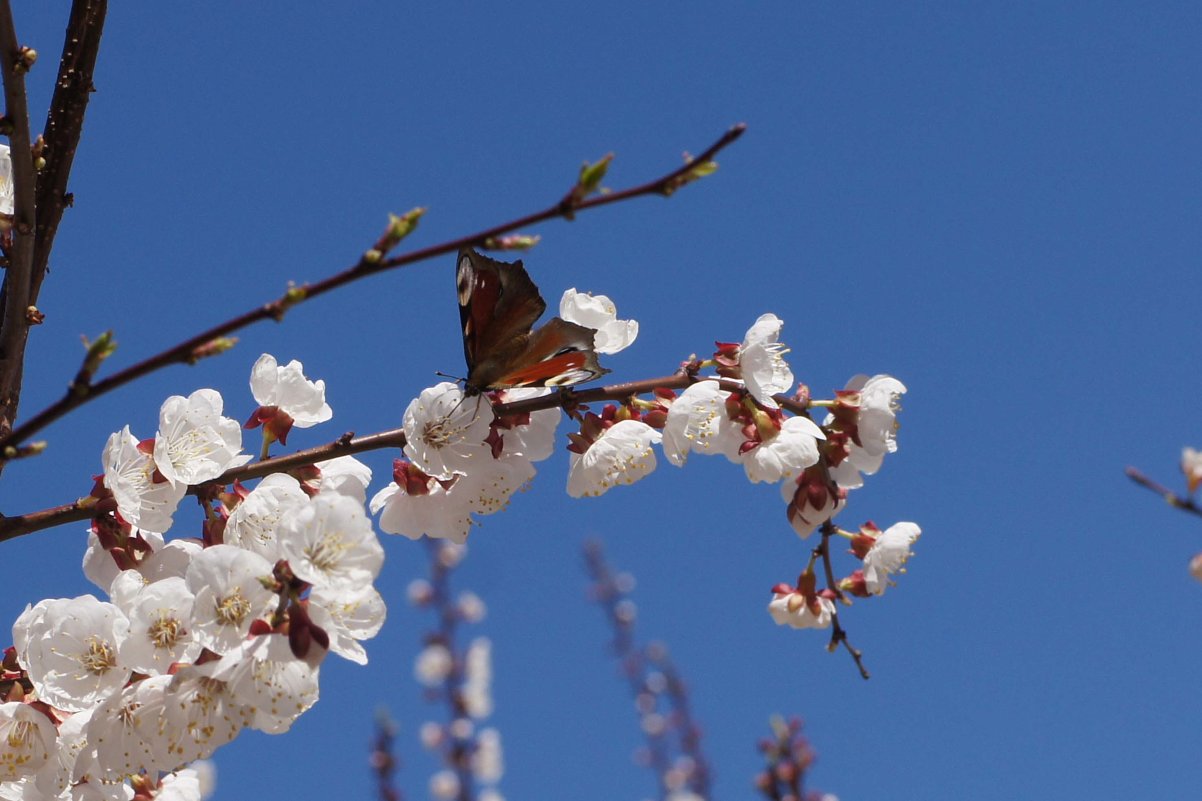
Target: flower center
x=233, y=608
x=99, y=658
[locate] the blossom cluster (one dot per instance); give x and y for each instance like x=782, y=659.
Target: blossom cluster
x=200, y=637
x=464, y=461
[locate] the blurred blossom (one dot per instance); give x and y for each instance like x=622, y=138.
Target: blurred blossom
x=419, y=592
x=471, y=608
x=431, y=735
x=444, y=785
x=487, y=763
x=433, y=665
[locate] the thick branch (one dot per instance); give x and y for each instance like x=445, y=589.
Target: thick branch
x=14, y=327
x=64, y=123
x=186, y=351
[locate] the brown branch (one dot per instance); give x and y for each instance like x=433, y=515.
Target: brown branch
x=64, y=123
x=1184, y=503
x=82, y=509
x=186, y=351
x=617, y=392
x=12, y=527
x=14, y=325
x=838, y=634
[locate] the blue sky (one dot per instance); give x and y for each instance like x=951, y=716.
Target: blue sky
x=996, y=203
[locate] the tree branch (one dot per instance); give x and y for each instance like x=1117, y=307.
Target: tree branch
x=348, y=444
x=82, y=509
x=14, y=326
x=64, y=124
x=187, y=350
x=1181, y=502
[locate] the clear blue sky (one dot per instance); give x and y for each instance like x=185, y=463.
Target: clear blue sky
x=997, y=203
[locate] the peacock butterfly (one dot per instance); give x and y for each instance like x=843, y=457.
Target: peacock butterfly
x=498, y=304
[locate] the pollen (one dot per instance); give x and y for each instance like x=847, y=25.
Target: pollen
x=233, y=608
x=99, y=658
x=327, y=552
x=166, y=631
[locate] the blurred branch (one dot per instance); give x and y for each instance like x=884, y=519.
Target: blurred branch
x=1181, y=502
x=383, y=762
x=14, y=325
x=789, y=756
x=185, y=351
x=651, y=676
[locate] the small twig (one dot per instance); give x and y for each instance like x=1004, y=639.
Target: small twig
x=838, y=634
x=1184, y=503
x=14, y=326
x=183, y=352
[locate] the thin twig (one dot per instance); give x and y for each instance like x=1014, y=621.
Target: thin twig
x=14, y=326
x=1184, y=503
x=185, y=351
x=838, y=634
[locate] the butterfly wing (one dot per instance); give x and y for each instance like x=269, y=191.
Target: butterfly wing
x=498, y=304
x=557, y=354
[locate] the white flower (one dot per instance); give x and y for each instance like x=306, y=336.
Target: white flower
x=1191, y=465
x=470, y=607
x=762, y=361
x=416, y=504
x=181, y=785
x=30, y=740
x=131, y=733
x=621, y=455
x=195, y=443
x=69, y=646
x=811, y=501
x=477, y=685
x=488, y=765
x=6, y=182
x=875, y=427
x=791, y=450
x=433, y=665
x=159, y=621
x=287, y=389
x=264, y=677
x=170, y=560
x=203, y=714
x=698, y=422
x=420, y=508
x=791, y=609
x=329, y=542
x=888, y=555
x=347, y=616
x=252, y=525
x=445, y=431
x=129, y=475
x=345, y=475
x=444, y=785
x=229, y=595
x=531, y=435
x=599, y=313
x=99, y=565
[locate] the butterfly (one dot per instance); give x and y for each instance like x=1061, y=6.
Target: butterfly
x=498, y=304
